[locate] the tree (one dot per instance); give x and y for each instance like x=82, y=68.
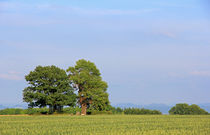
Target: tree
x=180, y=109
x=86, y=79
x=185, y=109
x=48, y=86
x=195, y=109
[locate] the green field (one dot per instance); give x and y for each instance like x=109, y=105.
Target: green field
x=105, y=124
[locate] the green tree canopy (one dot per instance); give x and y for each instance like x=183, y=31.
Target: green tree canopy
x=185, y=109
x=48, y=85
x=86, y=79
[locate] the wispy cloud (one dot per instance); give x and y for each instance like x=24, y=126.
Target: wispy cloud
x=175, y=75
x=7, y=6
x=28, y=46
x=200, y=73
x=168, y=34
x=112, y=11
x=23, y=14
x=93, y=11
x=11, y=75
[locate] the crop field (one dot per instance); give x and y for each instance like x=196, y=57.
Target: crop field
x=105, y=124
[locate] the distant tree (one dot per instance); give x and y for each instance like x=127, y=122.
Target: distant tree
x=180, y=109
x=116, y=110
x=86, y=79
x=141, y=111
x=48, y=86
x=119, y=110
x=195, y=109
x=185, y=109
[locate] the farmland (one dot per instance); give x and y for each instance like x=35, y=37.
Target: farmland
x=106, y=124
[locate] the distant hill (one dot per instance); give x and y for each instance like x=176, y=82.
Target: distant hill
x=161, y=107
x=2, y=107
x=205, y=106
x=127, y=105
x=23, y=106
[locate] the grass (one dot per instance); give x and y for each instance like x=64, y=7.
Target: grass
x=105, y=124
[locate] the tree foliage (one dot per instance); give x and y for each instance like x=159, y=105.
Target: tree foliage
x=48, y=85
x=117, y=110
x=184, y=109
x=86, y=79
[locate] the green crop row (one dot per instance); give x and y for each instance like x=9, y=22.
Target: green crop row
x=105, y=124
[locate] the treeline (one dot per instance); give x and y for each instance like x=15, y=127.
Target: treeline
x=77, y=110
x=38, y=111
x=178, y=109
x=134, y=111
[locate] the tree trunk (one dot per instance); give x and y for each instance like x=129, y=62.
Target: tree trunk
x=54, y=108
x=84, y=108
x=60, y=108
x=50, y=109
x=83, y=105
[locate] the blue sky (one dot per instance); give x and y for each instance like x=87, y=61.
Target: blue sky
x=153, y=51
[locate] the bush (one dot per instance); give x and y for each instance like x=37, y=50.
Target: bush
x=95, y=112
x=185, y=109
x=71, y=110
x=32, y=111
x=12, y=111
x=37, y=111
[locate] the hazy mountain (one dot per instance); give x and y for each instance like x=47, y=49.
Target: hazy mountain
x=2, y=107
x=127, y=105
x=23, y=106
x=205, y=106
x=162, y=107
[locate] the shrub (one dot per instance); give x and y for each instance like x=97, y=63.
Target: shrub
x=71, y=110
x=185, y=109
x=12, y=111
x=95, y=112
x=32, y=111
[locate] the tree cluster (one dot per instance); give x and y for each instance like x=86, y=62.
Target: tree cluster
x=185, y=109
x=53, y=87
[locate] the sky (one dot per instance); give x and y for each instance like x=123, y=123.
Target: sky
x=148, y=52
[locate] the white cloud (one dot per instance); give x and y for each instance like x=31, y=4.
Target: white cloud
x=22, y=14
x=176, y=75
x=200, y=73
x=168, y=34
x=11, y=75
x=7, y=6
x=14, y=72
x=112, y=11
